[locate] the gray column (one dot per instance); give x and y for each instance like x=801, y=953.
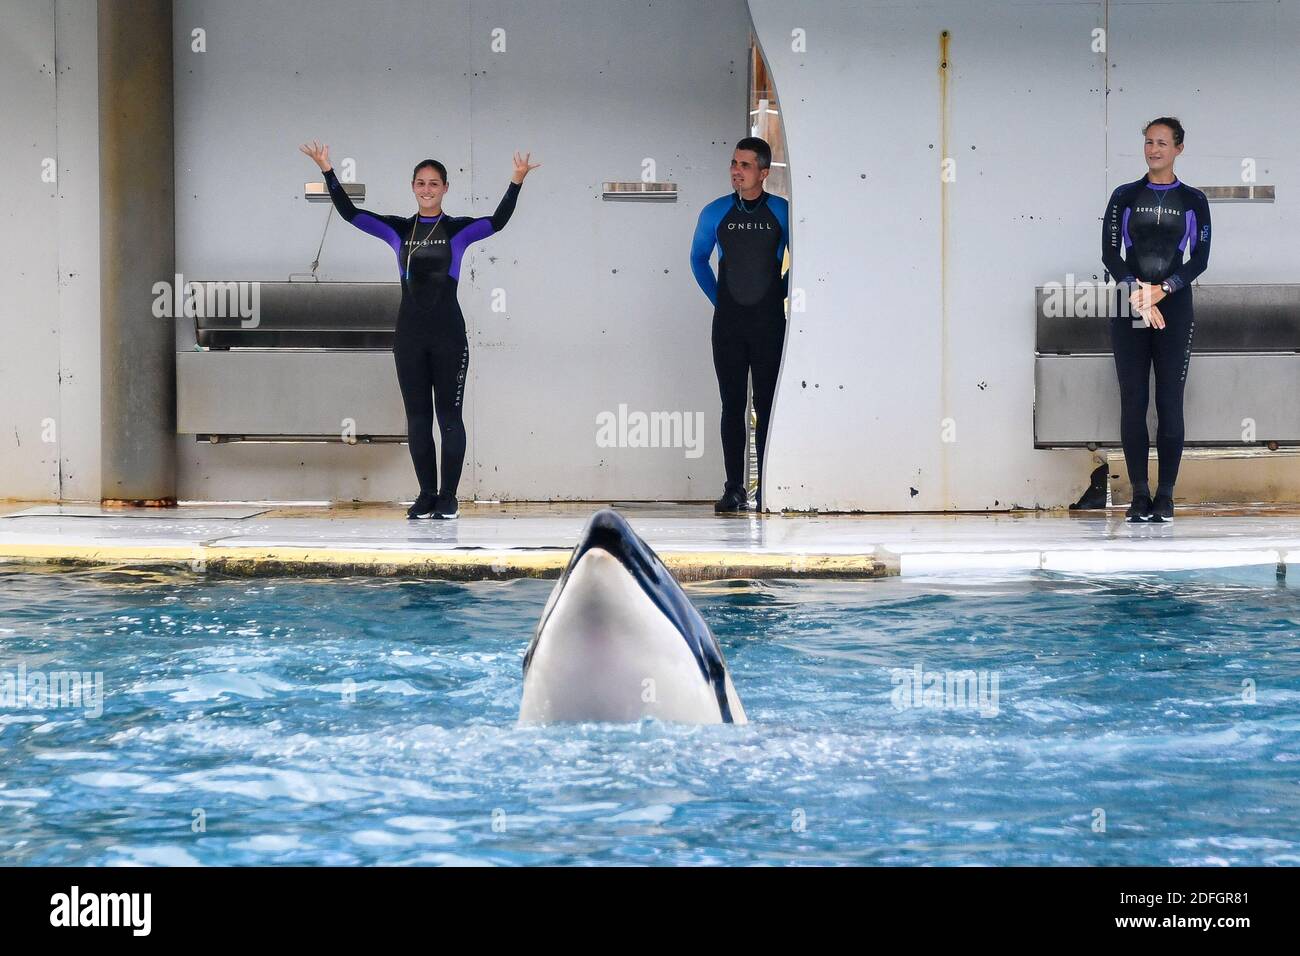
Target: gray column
x=137, y=249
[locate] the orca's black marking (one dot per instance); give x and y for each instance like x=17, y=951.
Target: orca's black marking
x=610, y=532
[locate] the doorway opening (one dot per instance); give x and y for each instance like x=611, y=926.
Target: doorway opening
x=764, y=122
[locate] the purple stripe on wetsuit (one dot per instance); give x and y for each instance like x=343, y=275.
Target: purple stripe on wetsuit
x=478, y=229
x=380, y=230
x=1163, y=186
x=383, y=227
x=1189, y=236
x=1128, y=241
x=367, y=223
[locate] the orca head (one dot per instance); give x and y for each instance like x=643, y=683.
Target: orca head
x=615, y=613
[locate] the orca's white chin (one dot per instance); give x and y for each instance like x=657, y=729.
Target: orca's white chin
x=607, y=652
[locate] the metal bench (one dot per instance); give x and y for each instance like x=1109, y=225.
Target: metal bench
x=1243, y=384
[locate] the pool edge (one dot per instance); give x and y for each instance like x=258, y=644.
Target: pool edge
x=447, y=564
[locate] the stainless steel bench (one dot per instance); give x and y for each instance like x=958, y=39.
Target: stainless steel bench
x=1243, y=384
x=315, y=366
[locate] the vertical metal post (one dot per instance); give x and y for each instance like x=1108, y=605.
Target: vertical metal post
x=137, y=249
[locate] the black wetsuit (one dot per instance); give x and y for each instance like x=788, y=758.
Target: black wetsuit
x=1151, y=224
x=430, y=348
x=748, y=296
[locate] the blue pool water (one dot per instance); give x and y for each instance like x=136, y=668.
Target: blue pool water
x=1122, y=730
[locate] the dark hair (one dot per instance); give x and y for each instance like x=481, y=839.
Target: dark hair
x=759, y=146
x=1172, y=123
x=438, y=167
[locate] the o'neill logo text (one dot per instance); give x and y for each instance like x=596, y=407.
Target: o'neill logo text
x=103, y=909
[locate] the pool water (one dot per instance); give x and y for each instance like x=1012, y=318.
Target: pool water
x=1134, y=720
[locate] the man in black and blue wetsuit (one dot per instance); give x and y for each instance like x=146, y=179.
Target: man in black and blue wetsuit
x=1151, y=222
x=430, y=347
x=750, y=228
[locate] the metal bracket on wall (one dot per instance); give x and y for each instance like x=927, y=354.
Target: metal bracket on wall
x=212, y=439
x=639, y=192
x=1239, y=193
x=319, y=192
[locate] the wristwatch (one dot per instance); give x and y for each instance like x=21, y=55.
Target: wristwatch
x=1164, y=287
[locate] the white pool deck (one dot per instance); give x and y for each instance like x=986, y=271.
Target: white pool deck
x=511, y=540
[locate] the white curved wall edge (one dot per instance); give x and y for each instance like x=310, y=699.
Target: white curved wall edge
x=918, y=324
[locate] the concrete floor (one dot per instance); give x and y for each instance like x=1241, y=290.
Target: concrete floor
x=509, y=540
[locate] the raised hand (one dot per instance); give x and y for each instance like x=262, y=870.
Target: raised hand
x=522, y=167
x=319, y=153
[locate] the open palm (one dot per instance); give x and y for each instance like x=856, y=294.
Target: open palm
x=318, y=152
x=523, y=167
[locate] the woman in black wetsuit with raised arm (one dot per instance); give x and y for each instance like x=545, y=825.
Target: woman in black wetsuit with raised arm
x=430, y=347
x=1148, y=225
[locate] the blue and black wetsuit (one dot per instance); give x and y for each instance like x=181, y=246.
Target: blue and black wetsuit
x=430, y=348
x=1146, y=230
x=748, y=296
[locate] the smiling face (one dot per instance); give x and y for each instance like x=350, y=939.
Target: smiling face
x=429, y=189
x=746, y=175
x=1160, y=149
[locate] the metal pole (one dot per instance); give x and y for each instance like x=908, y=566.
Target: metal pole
x=137, y=249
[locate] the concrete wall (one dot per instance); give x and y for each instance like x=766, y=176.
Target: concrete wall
x=49, y=242
x=918, y=304
x=601, y=308
x=908, y=377
x=1236, y=91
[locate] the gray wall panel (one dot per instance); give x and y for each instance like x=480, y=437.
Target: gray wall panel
x=920, y=311
x=29, y=247
x=49, y=242
x=1230, y=72
x=874, y=363
x=313, y=392
x=77, y=92
x=882, y=355
x=601, y=308
x=1226, y=396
